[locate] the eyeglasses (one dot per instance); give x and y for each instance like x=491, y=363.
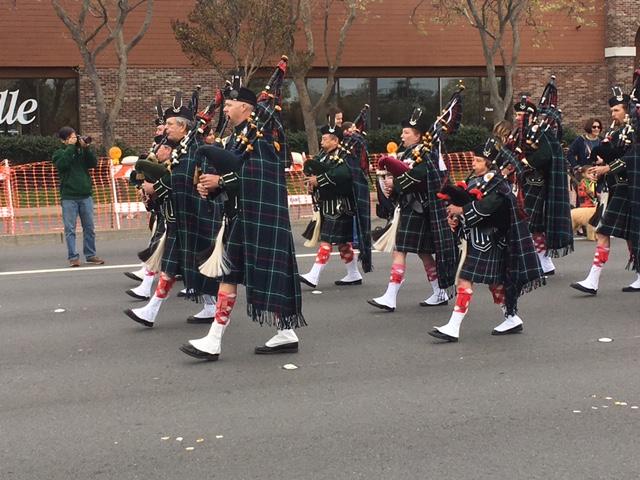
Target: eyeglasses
x=593, y=127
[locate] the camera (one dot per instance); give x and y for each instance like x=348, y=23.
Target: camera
x=85, y=138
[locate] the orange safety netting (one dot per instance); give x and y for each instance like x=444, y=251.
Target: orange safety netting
x=30, y=195
x=30, y=200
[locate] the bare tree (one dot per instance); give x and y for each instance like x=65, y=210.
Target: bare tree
x=94, y=26
x=498, y=23
x=234, y=34
x=303, y=51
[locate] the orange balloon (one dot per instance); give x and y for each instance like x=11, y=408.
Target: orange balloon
x=115, y=153
x=392, y=147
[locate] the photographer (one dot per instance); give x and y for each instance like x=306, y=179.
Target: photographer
x=73, y=162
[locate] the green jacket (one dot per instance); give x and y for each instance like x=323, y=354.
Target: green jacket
x=73, y=164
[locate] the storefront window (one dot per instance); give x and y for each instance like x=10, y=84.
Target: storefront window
x=38, y=106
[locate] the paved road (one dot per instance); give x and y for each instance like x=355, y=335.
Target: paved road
x=88, y=394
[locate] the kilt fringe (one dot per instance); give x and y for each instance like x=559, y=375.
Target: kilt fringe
x=560, y=252
x=273, y=319
x=512, y=308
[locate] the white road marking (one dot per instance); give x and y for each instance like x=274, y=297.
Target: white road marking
x=111, y=267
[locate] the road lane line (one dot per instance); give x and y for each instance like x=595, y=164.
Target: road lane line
x=110, y=267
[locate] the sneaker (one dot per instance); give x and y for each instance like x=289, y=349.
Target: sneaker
x=74, y=263
x=95, y=261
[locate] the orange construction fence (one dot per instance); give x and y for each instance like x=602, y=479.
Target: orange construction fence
x=30, y=195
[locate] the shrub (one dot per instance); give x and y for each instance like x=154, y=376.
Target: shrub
x=467, y=137
x=21, y=149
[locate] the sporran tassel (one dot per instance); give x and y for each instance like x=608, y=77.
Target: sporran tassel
x=315, y=238
x=217, y=264
x=387, y=242
x=154, y=263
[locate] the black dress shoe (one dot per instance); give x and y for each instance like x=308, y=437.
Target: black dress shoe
x=199, y=320
x=286, y=348
x=425, y=304
x=353, y=282
x=380, y=305
x=181, y=294
x=129, y=313
x=305, y=281
x=630, y=289
x=578, y=286
x=442, y=336
x=132, y=276
x=133, y=294
x=549, y=273
x=199, y=354
x=516, y=329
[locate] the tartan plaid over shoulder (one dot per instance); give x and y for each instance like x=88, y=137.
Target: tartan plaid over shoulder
x=362, y=198
x=270, y=268
x=557, y=212
x=632, y=159
x=196, y=223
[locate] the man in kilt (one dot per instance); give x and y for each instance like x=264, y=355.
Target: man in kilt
x=192, y=222
x=162, y=156
x=335, y=180
x=422, y=228
x=542, y=179
x=610, y=165
x=259, y=246
x=500, y=250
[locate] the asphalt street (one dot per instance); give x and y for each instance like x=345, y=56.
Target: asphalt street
x=88, y=394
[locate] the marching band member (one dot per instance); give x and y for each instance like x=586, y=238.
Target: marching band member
x=338, y=196
x=418, y=227
x=611, y=166
x=500, y=250
x=257, y=195
x=191, y=224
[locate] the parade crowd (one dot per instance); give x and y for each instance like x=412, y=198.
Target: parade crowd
x=214, y=182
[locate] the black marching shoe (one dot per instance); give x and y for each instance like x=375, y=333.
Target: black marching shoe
x=550, y=273
x=200, y=355
x=129, y=313
x=425, y=304
x=516, y=329
x=584, y=289
x=133, y=294
x=199, y=320
x=373, y=303
x=133, y=276
x=301, y=279
x=285, y=348
x=353, y=282
x=442, y=336
x=630, y=289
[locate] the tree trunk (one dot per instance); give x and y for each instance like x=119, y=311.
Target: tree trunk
x=308, y=115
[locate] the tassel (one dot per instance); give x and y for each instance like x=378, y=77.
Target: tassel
x=217, y=265
x=387, y=242
x=145, y=254
x=315, y=238
x=463, y=257
x=154, y=263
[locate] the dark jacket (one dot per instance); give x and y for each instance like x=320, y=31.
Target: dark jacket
x=73, y=164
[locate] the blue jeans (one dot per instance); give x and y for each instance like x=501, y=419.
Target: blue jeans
x=70, y=211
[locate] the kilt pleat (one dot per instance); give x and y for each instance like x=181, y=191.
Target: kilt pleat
x=414, y=232
x=337, y=229
x=484, y=267
x=615, y=219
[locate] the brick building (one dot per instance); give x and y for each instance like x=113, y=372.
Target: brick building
x=387, y=63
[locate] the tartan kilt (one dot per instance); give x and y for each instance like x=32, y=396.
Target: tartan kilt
x=171, y=256
x=615, y=219
x=336, y=229
x=534, y=208
x=160, y=228
x=234, y=252
x=414, y=232
x=484, y=267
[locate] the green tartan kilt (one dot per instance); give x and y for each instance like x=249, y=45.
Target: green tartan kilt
x=337, y=229
x=534, y=208
x=161, y=227
x=484, y=267
x=234, y=252
x=615, y=220
x=171, y=255
x=414, y=232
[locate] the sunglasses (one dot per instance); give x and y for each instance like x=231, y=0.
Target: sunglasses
x=596, y=126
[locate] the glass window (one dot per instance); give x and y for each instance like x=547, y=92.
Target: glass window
x=471, y=114
x=353, y=93
x=38, y=106
x=397, y=97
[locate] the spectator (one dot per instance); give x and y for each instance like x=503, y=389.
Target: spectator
x=580, y=149
x=73, y=162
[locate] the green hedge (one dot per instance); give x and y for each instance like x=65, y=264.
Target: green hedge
x=22, y=149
